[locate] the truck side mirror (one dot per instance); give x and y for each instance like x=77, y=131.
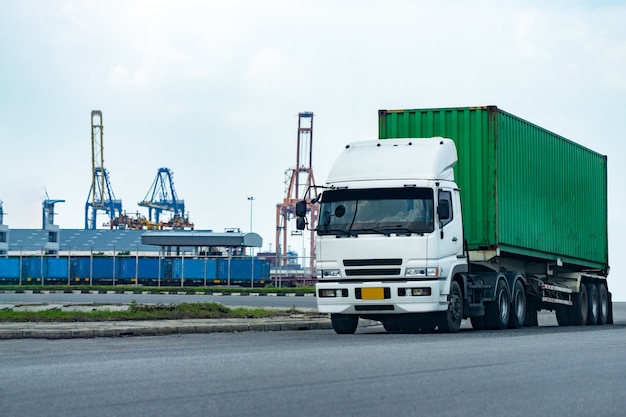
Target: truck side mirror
x=301, y=209
x=300, y=223
x=443, y=210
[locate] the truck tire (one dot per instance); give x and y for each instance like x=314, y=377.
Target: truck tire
x=603, y=304
x=450, y=320
x=579, y=311
x=592, y=296
x=498, y=311
x=517, y=316
x=344, y=323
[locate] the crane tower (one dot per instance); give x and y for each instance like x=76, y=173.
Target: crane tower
x=300, y=183
x=162, y=196
x=47, y=211
x=101, y=196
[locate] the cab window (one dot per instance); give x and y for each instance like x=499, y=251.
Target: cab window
x=445, y=207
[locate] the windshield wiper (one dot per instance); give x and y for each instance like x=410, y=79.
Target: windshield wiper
x=406, y=231
x=389, y=230
x=379, y=230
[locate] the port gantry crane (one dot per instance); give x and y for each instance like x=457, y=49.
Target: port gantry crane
x=101, y=196
x=301, y=186
x=47, y=211
x=162, y=197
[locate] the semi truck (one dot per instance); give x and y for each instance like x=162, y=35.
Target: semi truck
x=461, y=213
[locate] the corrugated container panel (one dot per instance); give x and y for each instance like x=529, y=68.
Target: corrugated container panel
x=56, y=268
x=242, y=269
x=140, y=267
x=126, y=267
x=34, y=266
x=9, y=268
x=167, y=268
x=81, y=267
x=195, y=268
x=262, y=269
x=523, y=188
x=102, y=268
x=551, y=195
x=148, y=268
x=211, y=268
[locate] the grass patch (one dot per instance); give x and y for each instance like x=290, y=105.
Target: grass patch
x=158, y=290
x=144, y=312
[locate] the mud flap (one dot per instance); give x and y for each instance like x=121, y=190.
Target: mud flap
x=610, y=317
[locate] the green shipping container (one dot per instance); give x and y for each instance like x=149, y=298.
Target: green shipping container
x=524, y=189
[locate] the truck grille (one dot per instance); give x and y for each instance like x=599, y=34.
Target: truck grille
x=370, y=272
x=372, y=262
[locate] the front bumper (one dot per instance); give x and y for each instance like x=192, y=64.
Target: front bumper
x=394, y=302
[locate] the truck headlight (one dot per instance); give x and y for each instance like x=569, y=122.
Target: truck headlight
x=331, y=273
x=330, y=293
x=421, y=272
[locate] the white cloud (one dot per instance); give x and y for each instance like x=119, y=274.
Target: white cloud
x=612, y=64
x=122, y=77
x=266, y=66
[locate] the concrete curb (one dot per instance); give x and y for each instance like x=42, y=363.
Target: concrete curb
x=81, y=330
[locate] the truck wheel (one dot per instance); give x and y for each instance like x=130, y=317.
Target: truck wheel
x=592, y=296
x=450, y=321
x=603, y=304
x=518, y=306
x=497, y=312
x=579, y=311
x=344, y=323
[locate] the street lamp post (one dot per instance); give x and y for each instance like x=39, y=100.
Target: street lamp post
x=251, y=199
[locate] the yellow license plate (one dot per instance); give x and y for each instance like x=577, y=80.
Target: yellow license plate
x=372, y=293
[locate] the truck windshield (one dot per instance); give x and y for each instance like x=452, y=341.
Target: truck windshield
x=384, y=211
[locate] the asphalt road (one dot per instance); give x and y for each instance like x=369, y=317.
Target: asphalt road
x=547, y=370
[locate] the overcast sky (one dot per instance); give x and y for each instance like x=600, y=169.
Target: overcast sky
x=212, y=91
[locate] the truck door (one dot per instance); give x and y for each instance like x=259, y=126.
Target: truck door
x=450, y=228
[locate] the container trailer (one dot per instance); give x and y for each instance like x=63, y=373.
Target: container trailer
x=457, y=213
x=129, y=270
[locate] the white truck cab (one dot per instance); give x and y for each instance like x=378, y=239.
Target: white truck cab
x=390, y=233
